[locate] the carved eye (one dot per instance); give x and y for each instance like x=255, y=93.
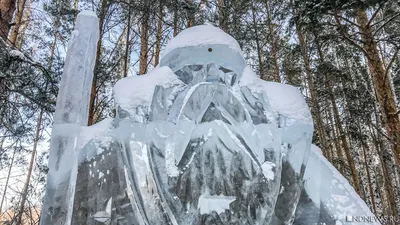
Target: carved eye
x=209, y=49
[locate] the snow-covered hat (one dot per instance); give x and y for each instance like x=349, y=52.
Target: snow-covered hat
x=202, y=45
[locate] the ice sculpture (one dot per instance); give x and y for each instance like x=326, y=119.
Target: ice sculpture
x=71, y=113
x=199, y=140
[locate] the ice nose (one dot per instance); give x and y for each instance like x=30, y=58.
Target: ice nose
x=216, y=74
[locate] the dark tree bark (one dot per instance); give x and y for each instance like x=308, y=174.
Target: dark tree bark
x=17, y=22
x=7, y=8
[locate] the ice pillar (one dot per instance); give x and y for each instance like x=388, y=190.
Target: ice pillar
x=71, y=113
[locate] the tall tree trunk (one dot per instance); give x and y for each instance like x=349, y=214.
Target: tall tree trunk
x=159, y=34
x=53, y=46
x=379, y=171
x=190, y=13
x=127, y=46
x=30, y=168
x=7, y=180
x=93, y=92
x=259, y=51
x=144, y=40
x=26, y=17
x=332, y=121
x=335, y=139
x=17, y=21
x=121, y=52
x=7, y=8
x=385, y=98
x=341, y=164
x=329, y=153
x=365, y=149
x=345, y=144
x=338, y=123
x=381, y=82
x=273, y=42
x=76, y=10
x=315, y=109
x=223, y=15
x=380, y=190
x=176, y=18
x=37, y=133
x=386, y=165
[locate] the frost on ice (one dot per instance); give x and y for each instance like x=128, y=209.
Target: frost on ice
x=198, y=140
x=267, y=168
x=218, y=204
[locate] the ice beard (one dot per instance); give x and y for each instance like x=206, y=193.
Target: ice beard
x=214, y=168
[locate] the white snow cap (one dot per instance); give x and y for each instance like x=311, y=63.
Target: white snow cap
x=201, y=35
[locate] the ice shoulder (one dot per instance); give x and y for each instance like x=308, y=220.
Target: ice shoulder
x=134, y=91
x=100, y=129
x=323, y=182
x=284, y=99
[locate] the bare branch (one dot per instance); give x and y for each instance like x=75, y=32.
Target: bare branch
x=345, y=19
x=343, y=33
x=375, y=14
x=384, y=24
x=391, y=62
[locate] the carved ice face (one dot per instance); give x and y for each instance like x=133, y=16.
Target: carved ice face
x=213, y=73
x=221, y=55
x=203, y=45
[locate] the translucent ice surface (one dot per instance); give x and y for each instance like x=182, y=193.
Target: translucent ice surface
x=71, y=113
x=328, y=189
x=200, y=140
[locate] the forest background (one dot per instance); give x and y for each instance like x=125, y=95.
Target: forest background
x=342, y=54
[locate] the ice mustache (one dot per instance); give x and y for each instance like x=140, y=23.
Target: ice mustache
x=193, y=74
